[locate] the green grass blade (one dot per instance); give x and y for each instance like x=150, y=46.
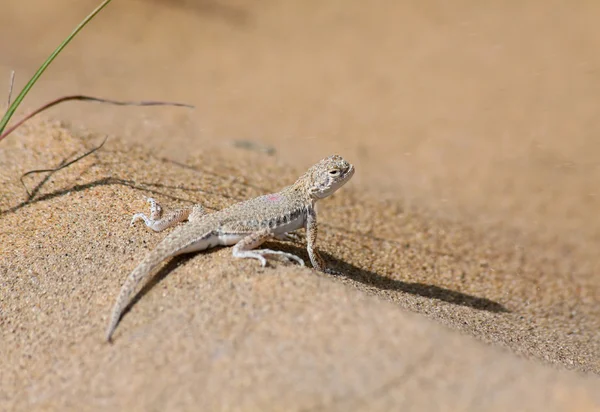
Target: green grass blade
x=13, y=107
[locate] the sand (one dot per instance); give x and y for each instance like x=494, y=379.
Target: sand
x=468, y=236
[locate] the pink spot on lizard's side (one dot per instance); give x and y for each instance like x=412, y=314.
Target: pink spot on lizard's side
x=274, y=198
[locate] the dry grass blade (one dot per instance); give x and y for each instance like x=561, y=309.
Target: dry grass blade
x=13, y=107
x=80, y=97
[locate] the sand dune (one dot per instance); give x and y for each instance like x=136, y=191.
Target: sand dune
x=468, y=236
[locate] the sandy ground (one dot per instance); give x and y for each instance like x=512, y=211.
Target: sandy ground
x=469, y=235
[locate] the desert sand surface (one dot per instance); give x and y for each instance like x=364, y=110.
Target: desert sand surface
x=468, y=237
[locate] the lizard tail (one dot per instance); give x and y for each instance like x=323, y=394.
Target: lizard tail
x=143, y=271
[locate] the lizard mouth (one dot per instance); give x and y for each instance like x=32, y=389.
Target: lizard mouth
x=349, y=173
x=346, y=176
x=341, y=181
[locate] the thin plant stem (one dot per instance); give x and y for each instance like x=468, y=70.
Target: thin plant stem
x=13, y=107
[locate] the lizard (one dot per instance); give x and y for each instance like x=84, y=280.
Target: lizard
x=246, y=225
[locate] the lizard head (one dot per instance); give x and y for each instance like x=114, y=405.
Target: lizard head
x=327, y=176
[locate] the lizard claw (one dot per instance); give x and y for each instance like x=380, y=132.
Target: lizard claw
x=136, y=217
x=289, y=237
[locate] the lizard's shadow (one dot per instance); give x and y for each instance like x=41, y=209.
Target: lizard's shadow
x=351, y=272
x=381, y=282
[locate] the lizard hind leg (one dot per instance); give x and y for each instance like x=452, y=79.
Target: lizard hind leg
x=158, y=222
x=155, y=209
x=245, y=248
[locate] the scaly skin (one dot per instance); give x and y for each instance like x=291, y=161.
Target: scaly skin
x=246, y=224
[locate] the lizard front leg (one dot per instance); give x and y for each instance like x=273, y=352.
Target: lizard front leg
x=245, y=248
x=311, y=241
x=158, y=223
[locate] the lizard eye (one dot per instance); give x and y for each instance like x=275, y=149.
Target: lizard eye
x=334, y=172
